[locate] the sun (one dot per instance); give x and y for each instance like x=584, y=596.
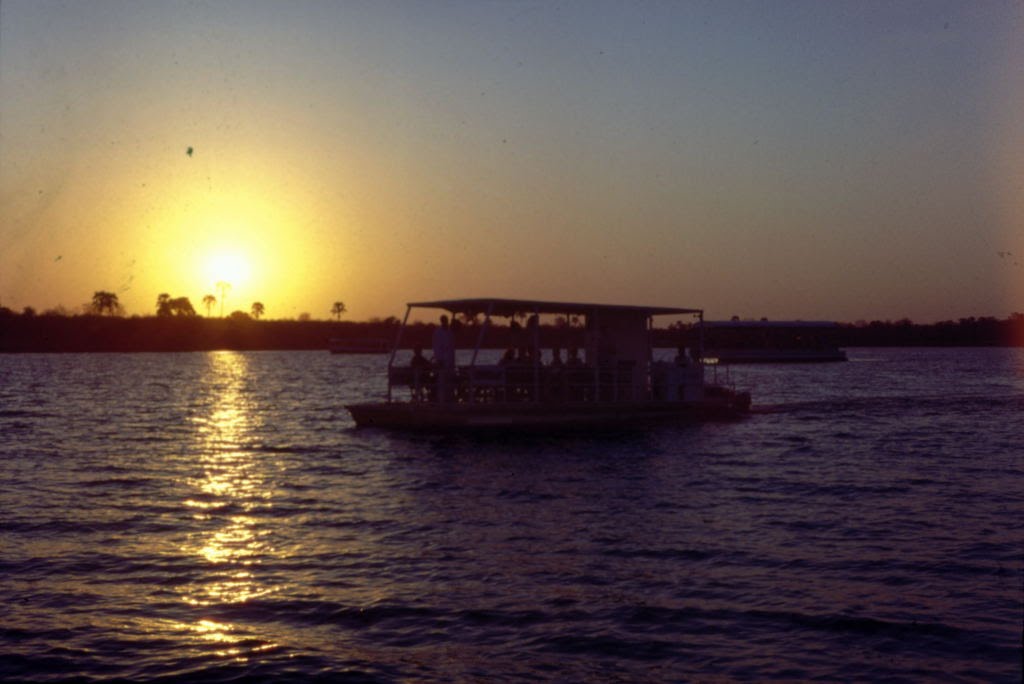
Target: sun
x=229, y=267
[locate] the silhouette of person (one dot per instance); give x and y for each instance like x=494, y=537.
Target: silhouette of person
x=420, y=382
x=681, y=358
x=530, y=341
x=419, y=362
x=444, y=358
x=444, y=345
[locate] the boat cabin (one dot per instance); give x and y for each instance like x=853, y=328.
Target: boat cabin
x=583, y=353
x=589, y=366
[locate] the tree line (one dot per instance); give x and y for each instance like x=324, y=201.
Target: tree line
x=102, y=325
x=105, y=303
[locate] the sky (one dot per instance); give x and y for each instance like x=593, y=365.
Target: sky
x=789, y=159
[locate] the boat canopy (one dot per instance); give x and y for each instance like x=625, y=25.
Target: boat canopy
x=510, y=307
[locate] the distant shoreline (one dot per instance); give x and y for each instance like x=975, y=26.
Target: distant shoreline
x=21, y=333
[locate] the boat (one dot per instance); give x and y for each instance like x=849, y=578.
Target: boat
x=371, y=345
x=609, y=378
x=763, y=341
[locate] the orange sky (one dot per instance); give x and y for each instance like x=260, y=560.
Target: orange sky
x=810, y=160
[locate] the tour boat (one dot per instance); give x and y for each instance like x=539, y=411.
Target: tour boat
x=609, y=377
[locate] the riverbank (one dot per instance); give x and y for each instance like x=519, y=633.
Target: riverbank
x=90, y=333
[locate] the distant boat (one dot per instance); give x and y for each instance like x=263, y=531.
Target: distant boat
x=371, y=345
x=616, y=384
x=736, y=341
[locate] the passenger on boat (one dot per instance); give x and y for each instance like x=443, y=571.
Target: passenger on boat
x=421, y=381
x=519, y=376
x=444, y=358
x=681, y=357
x=444, y=345
x=418, y=361
x=556, y=385
x=532, y=337
x=516, y=338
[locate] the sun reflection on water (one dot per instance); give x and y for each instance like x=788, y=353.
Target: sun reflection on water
x=231, y=489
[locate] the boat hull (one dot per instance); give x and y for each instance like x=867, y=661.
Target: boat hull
x=528, y=416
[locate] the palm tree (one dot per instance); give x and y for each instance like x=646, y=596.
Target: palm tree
x=224, y=288
x=208, y=301
x=257, y=310
x=338, y=309
x=104, y=301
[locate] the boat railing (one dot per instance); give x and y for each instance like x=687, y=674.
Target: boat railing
x=499, y=383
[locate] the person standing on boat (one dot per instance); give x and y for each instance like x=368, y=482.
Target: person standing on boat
x=420, y=368
x=444, y=357
x=444, y=345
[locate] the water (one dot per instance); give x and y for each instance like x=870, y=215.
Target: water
x=215, y=517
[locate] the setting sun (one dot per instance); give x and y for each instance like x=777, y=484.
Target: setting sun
x=230, y=267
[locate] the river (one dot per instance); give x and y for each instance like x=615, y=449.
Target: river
x=216, y=517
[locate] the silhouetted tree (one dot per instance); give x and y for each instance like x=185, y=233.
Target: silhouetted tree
x=163, y=301
x=304, y=316
x=239, y=316
x=224, y=287
x=208, y=301
x=181, y=306
x=338, y=309
x=105, y=301
x=257, y=310
x=174, y=306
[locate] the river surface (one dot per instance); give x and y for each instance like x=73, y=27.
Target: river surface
x=216, y=517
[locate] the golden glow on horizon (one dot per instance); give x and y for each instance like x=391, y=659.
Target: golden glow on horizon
x=243, y=235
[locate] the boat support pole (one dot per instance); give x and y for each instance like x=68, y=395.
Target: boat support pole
x=648, y=381
x=700, y=337
x=394, y=349
x=597, y=357
x=536, y=356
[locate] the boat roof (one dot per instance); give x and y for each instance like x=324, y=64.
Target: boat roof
x=509, y=307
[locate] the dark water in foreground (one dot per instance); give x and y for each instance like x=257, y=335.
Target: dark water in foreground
x=214, y=517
